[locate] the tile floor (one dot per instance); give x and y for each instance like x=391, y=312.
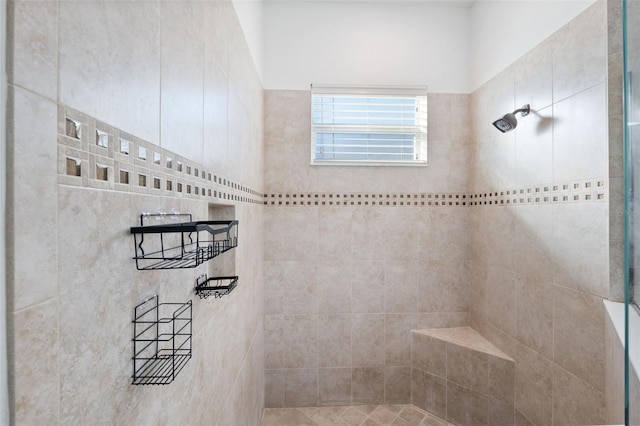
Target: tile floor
x=358, y=415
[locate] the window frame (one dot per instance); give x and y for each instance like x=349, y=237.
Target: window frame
x=372, y=92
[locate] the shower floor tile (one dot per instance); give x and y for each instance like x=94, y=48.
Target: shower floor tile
x=357, y=415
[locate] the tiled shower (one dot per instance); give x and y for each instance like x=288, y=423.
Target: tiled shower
x=506, y=234
x=177, y=82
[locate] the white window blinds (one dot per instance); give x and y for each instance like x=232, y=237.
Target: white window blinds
x=362, y=125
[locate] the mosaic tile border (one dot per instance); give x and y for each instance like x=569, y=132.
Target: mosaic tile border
x=365, y=199
x=96, y=155
x=581, y=191
x=578, y=191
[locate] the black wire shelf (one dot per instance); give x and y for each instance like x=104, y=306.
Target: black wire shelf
x=161, y=341
x=175, y=241
x=215, y=286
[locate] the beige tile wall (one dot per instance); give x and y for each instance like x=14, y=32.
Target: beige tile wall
x=539, y=272
x=529, y=269
x=459, y=374
x=178, y=76
x=344, y=284
x=616, y=162
x=615, y=376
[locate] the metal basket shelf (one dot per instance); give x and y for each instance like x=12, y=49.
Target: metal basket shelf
x=185, y=244
x=215, y=286
x=161, y=341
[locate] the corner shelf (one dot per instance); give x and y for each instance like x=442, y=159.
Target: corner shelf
x=181, y=245
x=215, y=286
x=161, y=341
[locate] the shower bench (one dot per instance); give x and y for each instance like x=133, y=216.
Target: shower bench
x=459, y=375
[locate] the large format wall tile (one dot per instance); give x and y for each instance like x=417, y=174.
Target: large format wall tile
x=579, y=332
x=182, y=79
x=397, y=338
x=299, y=288
x=368, y=235
x=32, y=35
x=534, y=79
x=36, y=356
x=615, y=374
x=334, y=386
x=300, y=341
x=301, y=387
x=110, y=63
x=334, y=233
x=367, y=287
x=501, y=300
x=429, y=392
x=397, y=385
x=368, y=385
x=401, y=287
x=334, y=341
x=215, y=109
x=274, y=388
x=443, y=234
x=273, y=341
x=580, y=249
x=534, y=315
x=32, y=232
x=466, y=407
x=534, y=147
x=533, y=255
x=534, y=385
x=579, y=56
x=574, y=401
x=109, y=303
x=291, y=234
x=367, y=336
x=579, y=126
x=398, y=229
x=429, y=354
x=443, y=286
x=467, y=368
x=333, y=287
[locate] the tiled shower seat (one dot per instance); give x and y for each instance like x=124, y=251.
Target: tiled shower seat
x=460, y=376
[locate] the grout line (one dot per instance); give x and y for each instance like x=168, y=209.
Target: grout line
x=28, y=90
x=37, y=305
x=161, y=8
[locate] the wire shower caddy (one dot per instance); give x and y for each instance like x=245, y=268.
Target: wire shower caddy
x=215, y=286
x=185, y=244
x=162, y=335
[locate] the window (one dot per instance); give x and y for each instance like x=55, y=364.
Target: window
x=369, y=125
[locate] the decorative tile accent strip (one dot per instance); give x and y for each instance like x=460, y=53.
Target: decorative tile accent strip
x=366, y=199
x=580, y=191
x=96, y=155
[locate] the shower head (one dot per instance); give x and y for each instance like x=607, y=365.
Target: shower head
x=509, y=122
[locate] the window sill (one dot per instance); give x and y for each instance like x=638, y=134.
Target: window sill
x=369, y=163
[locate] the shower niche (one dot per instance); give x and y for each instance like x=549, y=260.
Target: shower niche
x=220, y=278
